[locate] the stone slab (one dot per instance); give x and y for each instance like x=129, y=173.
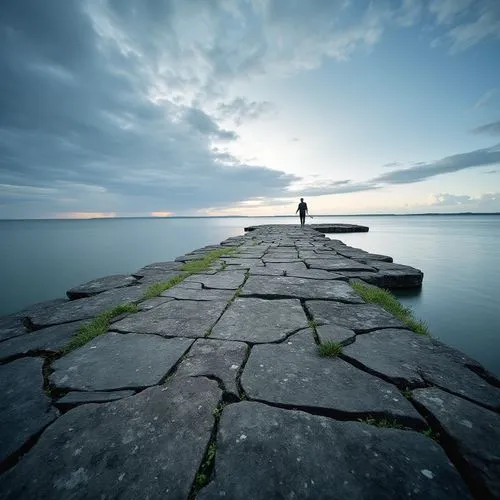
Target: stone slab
x=226, y=280
x=176, y=318
x=265, y=452
x=156, y=277
x=301, y=288
x=149, y=304
x=100, y=285
x=12, y=325
x=75, y=398
x=338, y=264
x=258, y=320
x=24, y=408
x=408, y=359
x=293, y=374
x=474, y=431
x=313, y=274
x=214, y=358
x=183, y=293
x=358, y=317
x=146, y=446
x=114, y=361
x=158, y=268
x=50, y=340
x=86, y=308
x=243, y=263
x=335, y=333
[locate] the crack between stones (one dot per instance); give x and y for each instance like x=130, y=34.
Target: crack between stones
x=241, y=392
x=205, y=471
x=406, y=423
x=458, y=395
x=400, y=383
x=228, y=305
x=450, y=447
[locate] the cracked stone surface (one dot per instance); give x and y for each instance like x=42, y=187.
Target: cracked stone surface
x=51, y=339
x=176, y=318
x=338, y=264
x=117, y=361
x=335, y=333
x=243, y=263
x=100, y=285
x=259, y=320
x=300, y=288
x=12, y=324
x=85, y=308
x=314, y=274
x=24, y=408
x=214, y=358
x=357, y=317
x=226, y=280
x=293, y=373
x=75, y=398
x=408, y=359
x=265, y=452
x=199, y=293
x=466, y=424
x=145, y=446
x=158, y=268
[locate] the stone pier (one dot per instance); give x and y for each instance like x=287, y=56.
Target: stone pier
x=212, y=383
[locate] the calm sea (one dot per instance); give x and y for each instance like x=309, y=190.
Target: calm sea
x=460, y=297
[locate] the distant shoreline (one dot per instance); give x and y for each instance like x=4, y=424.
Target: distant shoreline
x=428, y=214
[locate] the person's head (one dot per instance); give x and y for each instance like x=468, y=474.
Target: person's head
x=302, y=199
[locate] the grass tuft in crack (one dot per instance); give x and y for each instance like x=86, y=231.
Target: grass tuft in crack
x=156, y=289
x=386, y=299
x=97, y=326
x=381, y=422
x=202, y=264
x=329, y=349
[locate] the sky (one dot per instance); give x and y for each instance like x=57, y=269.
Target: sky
x=222, y=107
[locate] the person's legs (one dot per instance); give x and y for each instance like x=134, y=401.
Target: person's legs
x=302, y=219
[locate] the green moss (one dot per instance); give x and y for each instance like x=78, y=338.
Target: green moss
x=382, y=422
x=386, y=299
x=156, y=289
x=313, y=324
x=329, y=349
x=97, y=326
x=203, y=263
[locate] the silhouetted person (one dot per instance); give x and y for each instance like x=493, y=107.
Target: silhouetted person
x=302, y=209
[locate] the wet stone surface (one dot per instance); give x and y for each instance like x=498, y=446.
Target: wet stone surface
x=258, y=320
x=176, y=318
x=324, y=458
x=467, y=424
x=100, y=285
x=85, y=308
x=293, y=374
x=75, y=398
x=408, y=359
x=214, y=358
x=117, y=361
x=145, y=446
x=24, y=408
x=49, y=340
x=300, y=288
x=358, y=317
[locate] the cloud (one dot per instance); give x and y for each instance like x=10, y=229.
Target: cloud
x=449, y=164
x=487, y=98
x=240, y=110
x=488, y=202
x=467, y=22
x=117, y=106
x=393, y=164
x=489, y=129
x=324, y=187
